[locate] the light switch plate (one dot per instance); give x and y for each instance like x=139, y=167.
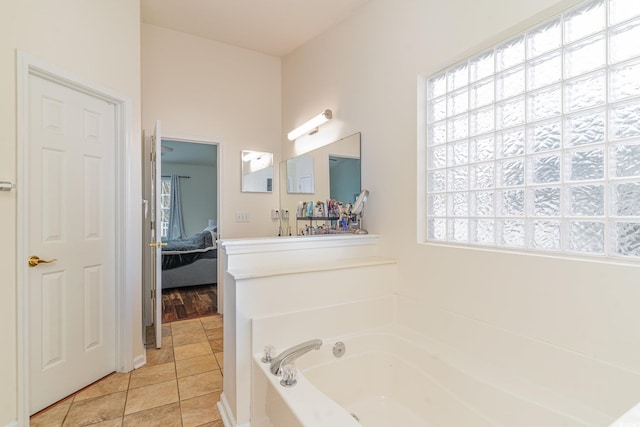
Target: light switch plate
x=242, y=216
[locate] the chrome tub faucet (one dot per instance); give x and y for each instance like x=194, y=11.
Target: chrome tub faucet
x=291, y=354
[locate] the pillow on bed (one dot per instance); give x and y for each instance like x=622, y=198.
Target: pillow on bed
x=213, y=233
x=213, y=229
x=210, y=238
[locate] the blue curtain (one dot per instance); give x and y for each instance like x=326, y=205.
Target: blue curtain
x=176, y=224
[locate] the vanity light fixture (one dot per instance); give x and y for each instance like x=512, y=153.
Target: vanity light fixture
x=310, y=126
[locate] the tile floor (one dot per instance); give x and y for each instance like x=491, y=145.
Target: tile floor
x=179, y=386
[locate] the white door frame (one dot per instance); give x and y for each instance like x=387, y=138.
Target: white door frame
x=127, y=206
x=147, y=318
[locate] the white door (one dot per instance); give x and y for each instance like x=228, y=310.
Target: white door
x=71, y=205
x=156, y=235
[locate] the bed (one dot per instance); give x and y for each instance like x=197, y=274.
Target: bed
x=190, y=262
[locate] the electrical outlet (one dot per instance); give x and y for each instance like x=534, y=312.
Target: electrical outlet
x=242, y=216
x=275, y=214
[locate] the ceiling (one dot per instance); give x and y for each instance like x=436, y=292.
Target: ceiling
x=188, y=153
x=274, y=27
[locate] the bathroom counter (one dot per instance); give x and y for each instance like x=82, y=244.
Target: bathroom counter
x=295, y=243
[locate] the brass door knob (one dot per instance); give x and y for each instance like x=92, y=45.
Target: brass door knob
x=35, y=260
x=157, y=244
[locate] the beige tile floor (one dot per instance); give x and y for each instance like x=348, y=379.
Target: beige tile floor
x=179, y=386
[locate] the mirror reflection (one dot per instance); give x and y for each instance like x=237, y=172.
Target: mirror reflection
x=331, y=172
x=257, y=172
x=300, y=175
x=344, y=178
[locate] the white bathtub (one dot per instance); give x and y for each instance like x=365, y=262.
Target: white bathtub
x=392, y=377
x=379, y=387
x=376, y=383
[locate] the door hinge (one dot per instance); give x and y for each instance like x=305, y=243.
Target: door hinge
x=153, y=156
x=153, y=294
x=153, y=225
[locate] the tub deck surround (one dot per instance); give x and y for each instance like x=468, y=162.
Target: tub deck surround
x=266, y=252
x=297, y=243
x=290, y=406
x=391, y=375
x=268, y=276
x=248, y=272
x=435, y=367
x=262, y=254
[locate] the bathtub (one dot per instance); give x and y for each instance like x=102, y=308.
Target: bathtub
x=380, y=381
x=391, y=376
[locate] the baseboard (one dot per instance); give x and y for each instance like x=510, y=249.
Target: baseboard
x=12, y=424
x=227, y=415
x=140, y=361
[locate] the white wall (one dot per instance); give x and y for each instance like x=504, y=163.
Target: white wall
x=97, y=40
x=198, y=87
x=368, y=70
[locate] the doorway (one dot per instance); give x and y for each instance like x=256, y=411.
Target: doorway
x=187, y=222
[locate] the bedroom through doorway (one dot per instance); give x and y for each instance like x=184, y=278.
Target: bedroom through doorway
x=182, y=179
x=189, y=227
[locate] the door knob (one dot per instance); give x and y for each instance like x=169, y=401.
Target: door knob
x=158, y=244
x=35, y=260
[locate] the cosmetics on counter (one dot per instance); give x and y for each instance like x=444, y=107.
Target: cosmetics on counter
x=324, y=217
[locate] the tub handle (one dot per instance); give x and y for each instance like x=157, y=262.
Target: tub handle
x=288, y=376
x=269, y=351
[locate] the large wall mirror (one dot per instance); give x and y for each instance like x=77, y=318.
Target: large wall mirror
x=329, y=172
x=257, y=172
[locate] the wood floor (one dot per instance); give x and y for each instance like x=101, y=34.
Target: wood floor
x=189, y=302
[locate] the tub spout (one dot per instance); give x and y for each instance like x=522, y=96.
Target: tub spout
x=291, y=354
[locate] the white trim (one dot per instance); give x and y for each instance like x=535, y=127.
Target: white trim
x=140, y=360
x=127, y=242
x=313, y=266
x=220, y=282
x=12, y=424
x=274, y=244
x=226, y=414
x=194, y=139
x=421, y=167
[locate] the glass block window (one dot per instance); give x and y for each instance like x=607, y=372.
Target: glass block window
x=535, y=143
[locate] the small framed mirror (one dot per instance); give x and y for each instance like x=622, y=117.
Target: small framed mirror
x=300, y=175
x=257, y=172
